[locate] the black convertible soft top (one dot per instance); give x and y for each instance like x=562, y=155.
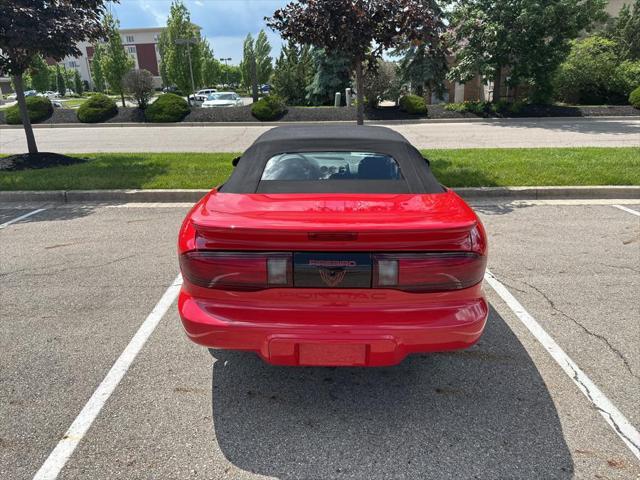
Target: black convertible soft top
x=335, y=138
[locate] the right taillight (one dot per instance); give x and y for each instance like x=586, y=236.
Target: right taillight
x=236, y=271
x=428, y=272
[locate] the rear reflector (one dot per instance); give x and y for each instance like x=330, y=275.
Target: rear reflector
x=237, y=271
x=428, y=272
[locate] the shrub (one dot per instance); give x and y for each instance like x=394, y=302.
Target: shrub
x=627, y=76
x=634, y=98
x=39, y=108
x=98, y=108
x=592, y=73
x=168, y=108
x=477, y=108
x=269, y=108
x=413, y=104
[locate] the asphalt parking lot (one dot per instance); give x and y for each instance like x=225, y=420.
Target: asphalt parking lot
x=78, y=281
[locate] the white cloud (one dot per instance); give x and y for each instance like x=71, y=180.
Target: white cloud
x=151, y=7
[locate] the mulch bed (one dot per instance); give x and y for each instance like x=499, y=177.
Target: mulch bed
x=324, y=114
x=27, y=161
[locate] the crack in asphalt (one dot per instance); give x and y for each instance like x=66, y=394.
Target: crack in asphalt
x=576, y=379
x=79, y=267
x=619, y=266
x=617, y=352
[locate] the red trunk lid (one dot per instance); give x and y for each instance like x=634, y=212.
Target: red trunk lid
x=333, y=222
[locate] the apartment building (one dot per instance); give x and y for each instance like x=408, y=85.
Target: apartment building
x=140, y=43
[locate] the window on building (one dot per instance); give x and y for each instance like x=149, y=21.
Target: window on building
x=131, y=50
x=130, y=39
x=156, y=37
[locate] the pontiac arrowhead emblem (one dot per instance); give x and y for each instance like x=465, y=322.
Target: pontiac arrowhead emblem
x=332, y=277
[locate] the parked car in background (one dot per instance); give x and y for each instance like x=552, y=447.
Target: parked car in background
x=202, y=95
x=266, y=88
x=170, y=89
x=49, y=94
x=30, y=93
x=333, y=246
x=223, y=99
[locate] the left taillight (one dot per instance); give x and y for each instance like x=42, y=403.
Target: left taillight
x=237, y=271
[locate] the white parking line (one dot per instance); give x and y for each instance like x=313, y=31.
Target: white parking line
x=616, y=420
x=21, y=217
x=65, y=447
x=628, y=210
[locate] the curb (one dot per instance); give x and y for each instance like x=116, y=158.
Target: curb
x=192, y=196
x=416, y=121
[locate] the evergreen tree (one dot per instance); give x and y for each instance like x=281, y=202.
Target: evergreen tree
x=424, y=69
x=96, y=70
x=77, y=82
x=332, y=74
x=115, y=61
x=625, y=31
x=293, y=73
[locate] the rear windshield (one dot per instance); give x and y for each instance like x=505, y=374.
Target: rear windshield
x=321, y=166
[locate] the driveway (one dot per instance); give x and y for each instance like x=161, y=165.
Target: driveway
x=79, y=280
x=488, y=133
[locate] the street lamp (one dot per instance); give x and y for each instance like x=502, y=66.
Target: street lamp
x=188, y=42
x=226, y=62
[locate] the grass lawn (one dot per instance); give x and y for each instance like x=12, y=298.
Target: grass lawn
x=454, y=168
x=72, y=102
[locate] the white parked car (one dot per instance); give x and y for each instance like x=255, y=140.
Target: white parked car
x=49, y=94
x=202, y=95
x=223, y=99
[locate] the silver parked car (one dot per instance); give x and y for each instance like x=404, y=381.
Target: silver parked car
x=223, y=99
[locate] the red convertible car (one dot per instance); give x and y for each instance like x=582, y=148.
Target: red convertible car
x=333, y=246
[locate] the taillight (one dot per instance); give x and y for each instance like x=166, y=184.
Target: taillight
x=237, y=271
x=428, y=272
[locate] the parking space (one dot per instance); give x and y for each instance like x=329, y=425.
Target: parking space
x=78, y=281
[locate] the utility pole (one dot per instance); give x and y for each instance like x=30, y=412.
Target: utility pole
x=188, y=42
x=226, y=71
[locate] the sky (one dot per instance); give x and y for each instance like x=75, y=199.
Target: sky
x=224, y=22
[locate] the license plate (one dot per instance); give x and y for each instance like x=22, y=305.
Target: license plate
x=331, y=270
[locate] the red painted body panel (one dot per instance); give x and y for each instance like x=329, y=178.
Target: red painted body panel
x=328, y=326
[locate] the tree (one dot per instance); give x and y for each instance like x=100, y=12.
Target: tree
x=424, y=69
x=115, y=60
x=211, y=68
x=77, y=82
x=380, y=83
x=139, y=84
x=39, y=74
x=264, y=63
x=593, y=73
x=175, y=58
x=51, y=29
x=522, y=39
x=332, y=74
x=359, y=29
x=249, y=67
x=293, y=73
x=625, y=31
x=96, y=69
x=61, y=85
x=231, y=74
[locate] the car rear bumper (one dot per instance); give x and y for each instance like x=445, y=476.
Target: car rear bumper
x=334, y=334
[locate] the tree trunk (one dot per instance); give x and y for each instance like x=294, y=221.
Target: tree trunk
x=122, y=97
x=24, y=114
x=497, y=85
x=254, y=80
x=360, y=92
